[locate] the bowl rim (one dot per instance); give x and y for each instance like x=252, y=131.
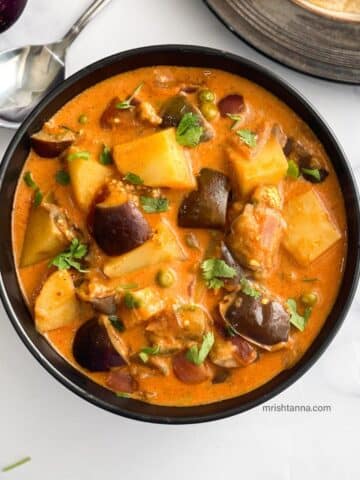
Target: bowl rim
x=300, y=369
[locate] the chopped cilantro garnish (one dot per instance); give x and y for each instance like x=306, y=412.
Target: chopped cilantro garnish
x=312, y=172
x=248, y=137
x=133, y=178
x=72, y=156
x=131, y=301
x=116, y=323
x=236, y=120
x=147, y=351
x=62, y=177
x=189, y=130
x=248, y=289
x=154, y=205
x=299, y=321
x=126, y=104
x=105, y=156
x=38, y=196
x=214, y=271
x=293, y=170
x=198, y=356
x=69, y=258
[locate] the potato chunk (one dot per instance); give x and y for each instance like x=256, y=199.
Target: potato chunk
x=162, y=247
x=267, y=167
x=57, y=305
x=158, y=159
x=87, y=176
x=310, y=230
x=43, y=239
x=150, y=303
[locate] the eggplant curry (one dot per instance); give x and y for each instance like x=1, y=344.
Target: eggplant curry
x=179, y=234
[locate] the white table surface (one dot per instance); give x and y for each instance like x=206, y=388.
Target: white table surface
x=68, y=438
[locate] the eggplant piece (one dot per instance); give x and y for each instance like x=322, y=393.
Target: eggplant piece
x=51, y=145
x=92, y=348
x=120, y=228
x=296, y=151
x=106, y=305
x=264, y=324
x=120, y=380
x=188, y=372
x=176, y=107
x=206, y=207
x=231, y=104
x=113, y=117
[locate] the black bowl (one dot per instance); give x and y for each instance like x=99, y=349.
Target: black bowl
x=9, y=287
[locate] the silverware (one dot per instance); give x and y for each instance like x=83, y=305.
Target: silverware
x=28, y=73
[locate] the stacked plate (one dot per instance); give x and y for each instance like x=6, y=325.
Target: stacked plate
x=302, y=34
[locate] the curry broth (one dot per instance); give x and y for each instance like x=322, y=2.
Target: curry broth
x=288, y=280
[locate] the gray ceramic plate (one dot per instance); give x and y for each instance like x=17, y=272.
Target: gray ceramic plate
x=316, y=44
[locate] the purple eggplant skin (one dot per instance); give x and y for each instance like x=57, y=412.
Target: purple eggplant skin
x=10, y=11
x=93, y=350
x=206, y=207
x=176, y=107
x=266, y=324
x=120, y=228
x=231, y=104
x=106, y=305
x=304, y=159
x=50, y=145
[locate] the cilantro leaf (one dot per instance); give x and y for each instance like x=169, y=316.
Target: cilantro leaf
x=105, y=156
x=68, y=258
x=30, y=182
x=236, y=120
x=154, y=205
x=198, y=356
x=293, y=170
x=147, y=351
x=189, y=130
x=248, y=289
x=62, y=177
x=131, y=302
x=248, y=137
x=116, y=323
x=133, y=178
x=214, y=270
x=312, y=172
x=72, y=156
x=126, y=104
x=299, y=321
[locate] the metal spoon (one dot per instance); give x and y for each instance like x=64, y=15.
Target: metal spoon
x=28, y=73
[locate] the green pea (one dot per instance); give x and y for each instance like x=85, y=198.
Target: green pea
x=165, y=278
x=209, y=110
x=206, y=96
x=309, y=299
x=83, y=119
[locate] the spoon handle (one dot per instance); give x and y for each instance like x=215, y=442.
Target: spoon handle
x=85, y=18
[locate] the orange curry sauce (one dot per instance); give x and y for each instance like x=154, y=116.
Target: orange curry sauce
x=286, y=280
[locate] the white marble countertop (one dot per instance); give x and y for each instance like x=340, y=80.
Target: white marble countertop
x=70, y=439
